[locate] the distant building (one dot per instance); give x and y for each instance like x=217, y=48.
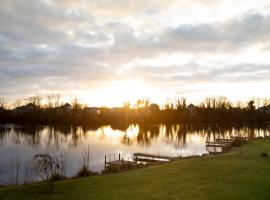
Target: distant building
x=191, y=109
x=65, y=108
x=264, y=109
x=154, y=107
x=116, y=109
x=27, y=108
x=92, y=110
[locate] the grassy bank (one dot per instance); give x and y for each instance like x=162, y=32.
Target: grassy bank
x=239, y=174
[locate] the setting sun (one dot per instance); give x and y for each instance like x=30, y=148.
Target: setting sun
x=117, y=92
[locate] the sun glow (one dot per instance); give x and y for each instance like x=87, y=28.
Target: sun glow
x=117, y=92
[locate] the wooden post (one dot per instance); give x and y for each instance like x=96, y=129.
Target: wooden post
x=122, y=161
x=119, y=156
x=105, y=162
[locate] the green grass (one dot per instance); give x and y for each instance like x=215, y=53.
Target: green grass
x=239, y=174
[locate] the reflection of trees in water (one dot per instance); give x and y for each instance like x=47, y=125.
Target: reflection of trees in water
x=29, y=134
x=54, y=137
x=173, y=134
x=77, y=136
x=3, y=132
x=120, y=126
x=127, y=140
x=70, y=135
x=147, y=134
x=176, y=135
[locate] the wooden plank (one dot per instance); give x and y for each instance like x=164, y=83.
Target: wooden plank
x=224, y=140
x=147, y=160
x=152, y=156
x=120, y=162
x=218, y=143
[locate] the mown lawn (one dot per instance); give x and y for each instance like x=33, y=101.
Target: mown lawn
x=239, y=174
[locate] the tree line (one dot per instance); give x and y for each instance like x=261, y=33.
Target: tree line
x=52, y=110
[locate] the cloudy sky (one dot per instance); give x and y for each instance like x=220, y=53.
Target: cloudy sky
x=108, y=51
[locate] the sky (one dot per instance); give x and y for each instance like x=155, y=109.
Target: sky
x=106, y=52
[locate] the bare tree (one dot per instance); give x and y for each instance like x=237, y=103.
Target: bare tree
x=76, y=105
x=85, y=169
x=46, y=167
x=36, y=100
x=181, y=103
x=53, y=100
x=127, y=105
x=2, y=103
x=266, y=102
x=17, y=103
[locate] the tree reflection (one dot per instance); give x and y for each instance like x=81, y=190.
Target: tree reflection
x=143, y=135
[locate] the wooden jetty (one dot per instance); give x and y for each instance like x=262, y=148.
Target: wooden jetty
x=113, y=161
x=217, y=144
x=221, y=145
x=116, y=160
x=224, y=140
x=150, y=158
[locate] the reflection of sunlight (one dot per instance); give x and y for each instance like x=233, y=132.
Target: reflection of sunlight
x=108, y=132
x=132, y=131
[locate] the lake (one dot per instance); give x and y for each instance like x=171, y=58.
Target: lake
x=18, y=144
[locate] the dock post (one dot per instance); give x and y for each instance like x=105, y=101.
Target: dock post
x=105, y=162
x=119, y=156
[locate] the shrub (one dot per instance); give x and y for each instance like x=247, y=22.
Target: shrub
x=263, y=154
x=58, y=177
x=84, y=171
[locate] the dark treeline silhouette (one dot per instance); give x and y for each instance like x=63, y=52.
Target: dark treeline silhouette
x=211, y=110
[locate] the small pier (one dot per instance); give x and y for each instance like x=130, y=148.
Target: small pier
x=221, y=145
x=117, y=161
x=151, y=158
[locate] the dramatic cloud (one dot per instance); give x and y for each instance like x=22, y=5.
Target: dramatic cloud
x=174, y=47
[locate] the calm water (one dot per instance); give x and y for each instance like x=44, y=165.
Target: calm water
x=18, y=144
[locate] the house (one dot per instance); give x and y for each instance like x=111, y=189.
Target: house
x=191, y=109
x=2, y=109
x=65, y=108
x=115, y=110
x=154, y=107
x=27, y=108
x=92, y=110
x=264, y=109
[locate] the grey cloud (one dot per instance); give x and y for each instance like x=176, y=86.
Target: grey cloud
x=46, y=47
x=226, y=36
x=195, y=73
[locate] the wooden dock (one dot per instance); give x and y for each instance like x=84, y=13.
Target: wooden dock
x=113, y=161
x=218, y=144
x=117, y=161
x=221, y=145
x=150, y=158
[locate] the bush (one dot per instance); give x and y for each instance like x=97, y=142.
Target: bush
x=263, y=154
x=58, y=177
x=114, y=169
x=84, y=171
